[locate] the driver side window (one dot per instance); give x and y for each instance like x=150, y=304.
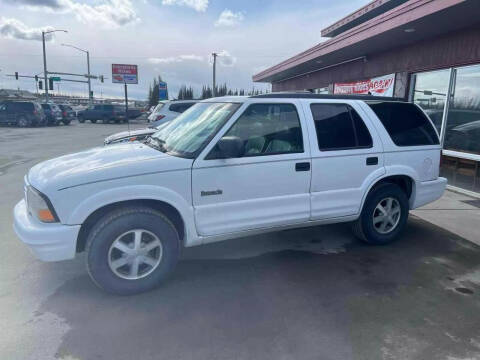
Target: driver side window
x=268, y=129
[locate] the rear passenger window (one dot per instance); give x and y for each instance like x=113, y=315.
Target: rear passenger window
x=406, y=124
x=339, y=127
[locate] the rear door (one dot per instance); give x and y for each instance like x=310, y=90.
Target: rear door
x=346, y=155
x=268, y=185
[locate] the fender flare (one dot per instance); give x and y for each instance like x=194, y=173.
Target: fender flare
x=137, y=192
x=394, y=170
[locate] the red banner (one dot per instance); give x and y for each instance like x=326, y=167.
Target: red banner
x=379, y=86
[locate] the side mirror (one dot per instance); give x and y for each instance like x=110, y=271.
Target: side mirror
x=230, y=147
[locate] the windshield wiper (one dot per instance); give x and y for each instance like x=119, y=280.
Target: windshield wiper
x=156, y=143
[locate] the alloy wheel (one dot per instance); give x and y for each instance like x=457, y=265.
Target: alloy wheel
x=135, y=254
x=386, y=215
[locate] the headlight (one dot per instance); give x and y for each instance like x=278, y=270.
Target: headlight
x=39, y=206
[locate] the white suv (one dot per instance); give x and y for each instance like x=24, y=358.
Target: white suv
x=230, y=167
x=166, y=111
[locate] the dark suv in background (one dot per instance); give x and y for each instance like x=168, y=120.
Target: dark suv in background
x=68, y=114
x=103, y=112
x=53, y=113
x=21, y=113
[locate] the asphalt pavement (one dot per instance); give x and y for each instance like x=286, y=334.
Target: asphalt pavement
x=313, y=293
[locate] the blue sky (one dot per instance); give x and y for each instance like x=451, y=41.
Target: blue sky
x=171, y=38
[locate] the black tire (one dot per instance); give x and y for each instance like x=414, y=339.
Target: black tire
x=81, y=120
x=66, y=122
x=105, y=120
x=364, y=227
x=93, y=121
x=22, y=121
x=116, y=223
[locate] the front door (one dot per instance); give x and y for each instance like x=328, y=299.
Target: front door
x=267, y=185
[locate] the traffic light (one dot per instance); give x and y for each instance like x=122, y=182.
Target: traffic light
x=36, y=77
x=50, y=84
x=40, y=85
x=101, y=78
x=16, y=75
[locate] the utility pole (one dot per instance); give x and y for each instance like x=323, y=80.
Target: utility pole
x=214, y=90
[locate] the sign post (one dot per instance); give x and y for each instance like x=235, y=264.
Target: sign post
x=125, y=74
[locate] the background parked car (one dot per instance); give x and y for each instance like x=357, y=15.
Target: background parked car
x=22, y=113
x=134, y=135
x=52, y=113
x=67, y=113
x=103, y=112
x=166, y=111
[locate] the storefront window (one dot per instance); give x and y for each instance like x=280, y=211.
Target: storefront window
x=430, y=92
x=462, y=131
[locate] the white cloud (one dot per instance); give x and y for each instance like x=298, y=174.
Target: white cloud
x=108, y=13
x=15, y=29
x=226, y=59
x=229, y=18
x=198, y=5
x=175, y=59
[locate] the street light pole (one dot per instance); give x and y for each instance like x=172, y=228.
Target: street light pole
x=90, y=98
x=45, y=73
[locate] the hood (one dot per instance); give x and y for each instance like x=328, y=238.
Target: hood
x=101, y=164
x=127, y=134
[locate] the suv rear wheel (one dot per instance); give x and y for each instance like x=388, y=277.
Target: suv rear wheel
x=132, y=250
x=93, y=121
x=22, y=121
x=384, y=215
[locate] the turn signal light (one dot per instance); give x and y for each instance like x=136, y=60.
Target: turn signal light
x=46, y=215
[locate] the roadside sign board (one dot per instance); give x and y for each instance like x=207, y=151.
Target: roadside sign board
x=56, y=78
x=124, y=74
x=162, y=91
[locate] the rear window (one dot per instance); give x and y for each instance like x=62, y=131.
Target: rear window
x=406, y=124
x=119, y=108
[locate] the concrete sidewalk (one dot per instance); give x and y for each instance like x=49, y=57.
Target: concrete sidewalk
x=457, y=213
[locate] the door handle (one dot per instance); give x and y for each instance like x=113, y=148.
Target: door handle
x=302, y=166
x=372, y=160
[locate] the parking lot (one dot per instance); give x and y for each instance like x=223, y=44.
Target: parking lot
x=313, y=293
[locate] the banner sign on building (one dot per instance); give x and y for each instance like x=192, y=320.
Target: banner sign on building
x=162, y=91
x=124, y=74
x=379, y=86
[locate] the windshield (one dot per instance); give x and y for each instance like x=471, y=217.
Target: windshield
x=190, y=131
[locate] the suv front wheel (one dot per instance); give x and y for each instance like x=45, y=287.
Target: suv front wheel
x=132, y=250
x=384, y=215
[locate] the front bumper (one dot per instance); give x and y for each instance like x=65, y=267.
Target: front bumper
x=429, y=191
x=48, y=242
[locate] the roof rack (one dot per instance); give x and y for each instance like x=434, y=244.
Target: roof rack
x=309, y=95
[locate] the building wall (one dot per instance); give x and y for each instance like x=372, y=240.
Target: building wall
x=453, y=49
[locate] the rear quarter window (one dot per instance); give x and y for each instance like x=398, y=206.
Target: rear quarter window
x=406, y=124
